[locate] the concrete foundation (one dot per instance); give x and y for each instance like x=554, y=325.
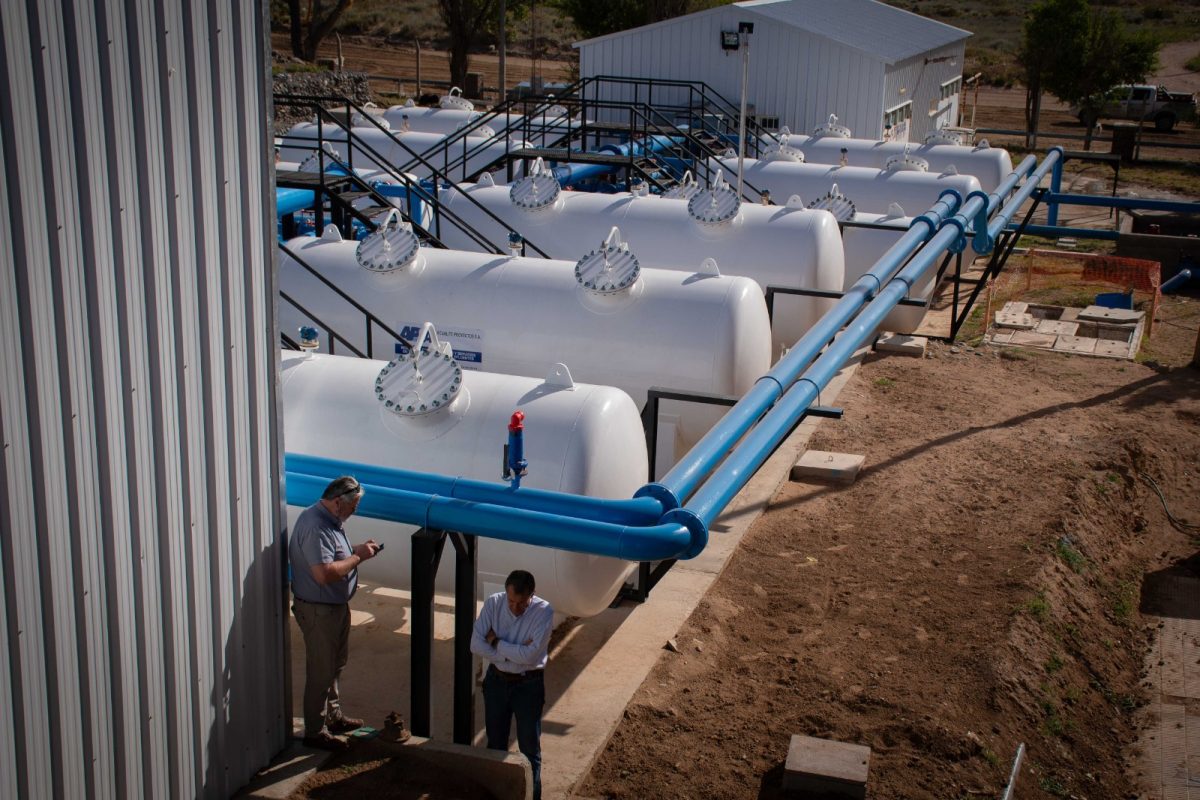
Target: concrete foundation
x=824, y=768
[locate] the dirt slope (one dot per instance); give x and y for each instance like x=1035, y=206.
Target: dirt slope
x=977, y=587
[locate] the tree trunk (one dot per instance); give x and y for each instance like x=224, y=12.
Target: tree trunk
x=318, y=29
x=297, y=28
x=459, y=59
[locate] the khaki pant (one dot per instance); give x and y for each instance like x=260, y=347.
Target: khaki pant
x=326, y=630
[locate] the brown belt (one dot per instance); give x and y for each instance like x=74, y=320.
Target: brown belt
x=516, y=677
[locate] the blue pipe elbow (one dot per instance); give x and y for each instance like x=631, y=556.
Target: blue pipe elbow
x=695, y=527
x=960, y=242
x=656, y=491
x=982, y=242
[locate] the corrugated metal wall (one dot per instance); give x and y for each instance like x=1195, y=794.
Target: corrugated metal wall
x=922, y=83
x=141, y=597
x=799, y=77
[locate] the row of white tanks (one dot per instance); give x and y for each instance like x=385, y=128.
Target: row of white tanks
x=615, y=317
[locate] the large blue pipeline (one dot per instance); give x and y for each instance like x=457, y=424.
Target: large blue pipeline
x=572, y=174
x=657, y=524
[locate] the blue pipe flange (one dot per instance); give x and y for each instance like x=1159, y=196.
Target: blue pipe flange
x=656, y=491
x=982, y=243
x=960, y=242
x=931, y=225
x=695, y=526
x=958, y=201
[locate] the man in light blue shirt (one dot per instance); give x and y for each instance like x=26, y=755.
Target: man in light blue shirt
x=512, y=634
x=324, y=578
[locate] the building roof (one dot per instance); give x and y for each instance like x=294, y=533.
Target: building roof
x=886, y=32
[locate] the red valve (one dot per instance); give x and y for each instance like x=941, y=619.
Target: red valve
x=517, y=423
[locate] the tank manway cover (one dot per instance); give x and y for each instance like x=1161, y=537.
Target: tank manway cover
x=536, y=191
x=609, y=269
x=715, y=205
x=835, y=203
x=412, y=385
x=393, y=246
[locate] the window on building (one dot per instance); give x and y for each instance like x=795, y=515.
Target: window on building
x=951, y=88
x=897, y=114
x=767, y=123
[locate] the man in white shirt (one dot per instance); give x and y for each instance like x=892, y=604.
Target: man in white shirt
x=512, y=634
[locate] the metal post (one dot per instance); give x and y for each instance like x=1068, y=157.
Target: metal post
x=418, y=43
x=466, y=552
x=744, y=46
x=426, y=555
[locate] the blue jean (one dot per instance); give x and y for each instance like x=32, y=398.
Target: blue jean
x=524, y=699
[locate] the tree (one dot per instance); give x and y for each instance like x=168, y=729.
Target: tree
x=465, y=21
x=309, y=30
x=1079, y=55
x=594, y=18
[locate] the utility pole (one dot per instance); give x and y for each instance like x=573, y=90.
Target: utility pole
x=503, y=77
x=744, y=31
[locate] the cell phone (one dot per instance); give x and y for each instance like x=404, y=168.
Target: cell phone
x=378, y=547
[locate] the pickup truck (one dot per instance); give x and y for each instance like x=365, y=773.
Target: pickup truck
x=1145, y=103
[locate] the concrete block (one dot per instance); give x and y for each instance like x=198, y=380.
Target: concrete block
x=1122, y=316
x=1075, y=344
x=1033, y=339
x=1001, y=337
x=1023, y=321
x=826, y=768
x=1057, y=327
x=902, y=344
x=1112, y=347
x=1015, y=307
x=820, y=465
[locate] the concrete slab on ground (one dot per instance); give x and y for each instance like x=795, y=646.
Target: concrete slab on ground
x=1057, y=327
x=1075, y=344
x=826, y=768
x=902, y=344
x=821, y=465
x=1032, y=339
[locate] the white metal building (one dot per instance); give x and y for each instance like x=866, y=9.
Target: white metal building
x=142, y=648
x=880, y=69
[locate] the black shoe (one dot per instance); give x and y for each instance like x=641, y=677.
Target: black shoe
x=326, y=741
x=344, y=725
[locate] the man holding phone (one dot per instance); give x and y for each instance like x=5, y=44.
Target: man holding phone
x=324, y=578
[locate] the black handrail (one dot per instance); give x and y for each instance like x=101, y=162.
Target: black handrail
x=334, y=336
x=439, y=177
x=368, y=315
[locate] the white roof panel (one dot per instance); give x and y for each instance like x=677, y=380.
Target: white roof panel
x=890, y=33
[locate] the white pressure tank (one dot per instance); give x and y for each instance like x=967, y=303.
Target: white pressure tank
x=606, y=318
x=579, y=438
x=711, y=232
x=940, y=152
x=301, y=140
x=443, y=121
x=871, y=190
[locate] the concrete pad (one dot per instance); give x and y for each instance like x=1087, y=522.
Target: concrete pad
x=285, y=773
x=1057, y=327
x=1022, y=321
x=1015, y=307
x=1112, y=347
x=1121, y=316
x=1069, y=314
x=1033, y=339
x=826, y=768
x=1001, y=337
x=902, y=344
x=820, y=465
x=1075, y=344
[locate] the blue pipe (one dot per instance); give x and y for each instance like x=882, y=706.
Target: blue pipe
x=289, y=201
x=759, y=443
x=642, y=511
x=1055, y=188
x=1053, y=158
x=1105, y=201
x=1059, y=230
x=1177, y=281
x=678, y=535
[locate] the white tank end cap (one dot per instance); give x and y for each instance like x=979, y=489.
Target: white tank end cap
x=610, y=268
x=417, y=383
x=390, y=248
x=560, y=376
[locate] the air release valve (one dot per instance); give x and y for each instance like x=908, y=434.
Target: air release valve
x=515, y=465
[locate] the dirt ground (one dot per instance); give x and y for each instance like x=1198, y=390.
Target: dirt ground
x=978, y=586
